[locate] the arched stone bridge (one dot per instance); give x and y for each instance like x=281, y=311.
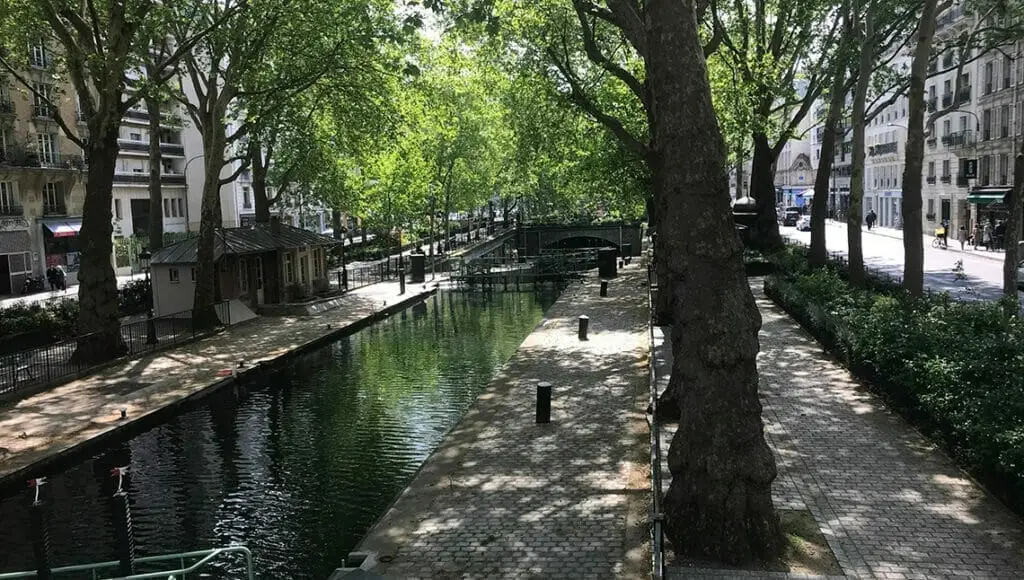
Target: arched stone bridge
x=534, y=238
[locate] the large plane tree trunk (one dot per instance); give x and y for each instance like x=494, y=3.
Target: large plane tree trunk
x=98, y=321
x=765, y=233
x=260, y=195
x=863, y=21
x=719, y=506
x=156, y=196
x=1013, y=233
x=819, y=203
x=204, y=314
x=913, y=242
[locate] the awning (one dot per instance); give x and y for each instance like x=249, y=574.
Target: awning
x=63, y=228
x=15, y=242
x=988, y=197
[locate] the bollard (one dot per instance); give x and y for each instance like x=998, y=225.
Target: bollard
x=604, y=287
x=543, y=402
x=40, y=533
x=584, y=323
x=401, y=280
x=620, y=264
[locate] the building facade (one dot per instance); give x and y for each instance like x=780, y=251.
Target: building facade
x=42, y=178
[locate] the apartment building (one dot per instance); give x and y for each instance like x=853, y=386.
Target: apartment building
x=886, y=140
x=42, y=178
x=795, y=169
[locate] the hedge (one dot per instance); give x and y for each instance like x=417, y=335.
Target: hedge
x=954, y=369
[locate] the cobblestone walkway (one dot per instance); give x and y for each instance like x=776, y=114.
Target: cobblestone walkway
x=890, y=505
x=504, y=497
x=59, y=419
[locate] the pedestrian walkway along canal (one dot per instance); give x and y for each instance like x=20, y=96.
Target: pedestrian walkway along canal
x=297, y=467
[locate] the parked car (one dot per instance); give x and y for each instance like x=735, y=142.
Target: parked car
x=804, y=224
x=790, y=218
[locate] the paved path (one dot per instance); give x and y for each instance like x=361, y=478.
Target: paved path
x=503, y=497
x=57, y=420
x=890, y=505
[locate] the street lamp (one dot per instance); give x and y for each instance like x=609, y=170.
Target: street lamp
x=144, y=257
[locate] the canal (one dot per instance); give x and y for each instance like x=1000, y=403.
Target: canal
x=297, y=467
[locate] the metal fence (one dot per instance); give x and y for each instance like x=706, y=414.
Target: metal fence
x=657, y=530
x=45, y=364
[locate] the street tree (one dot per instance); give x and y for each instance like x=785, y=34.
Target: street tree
x=100, y=46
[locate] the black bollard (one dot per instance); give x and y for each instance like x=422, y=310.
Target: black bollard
x=40, y=533
x=604, y=287
x=620, y=264
x=584, y=323
x=543, y=402
x=344, y=278
x=401, y=280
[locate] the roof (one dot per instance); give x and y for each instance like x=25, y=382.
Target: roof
x=254, y=239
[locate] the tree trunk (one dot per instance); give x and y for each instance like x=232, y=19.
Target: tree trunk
x=156, y=196
x=204, y=315
x=913, y=243
x=261, y=201
x=819, y=203
x=855, y=213
x=97, y=290
x=765, y=233
x=336, y=224
x=719, y=506
x=739, y=173
x=1013, y=234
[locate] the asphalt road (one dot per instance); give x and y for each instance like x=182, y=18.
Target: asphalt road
x=981, y=279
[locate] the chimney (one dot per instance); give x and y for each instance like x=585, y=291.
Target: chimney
x=275, y=225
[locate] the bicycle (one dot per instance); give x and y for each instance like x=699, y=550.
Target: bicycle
x=937, y=243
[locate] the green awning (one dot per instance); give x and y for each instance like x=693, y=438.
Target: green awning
x=985, y=198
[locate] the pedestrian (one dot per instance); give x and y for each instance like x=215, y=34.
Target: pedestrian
x=986, y=237
x=62, y=277
x=961, y=235
x=51, y=278
x=977, y=236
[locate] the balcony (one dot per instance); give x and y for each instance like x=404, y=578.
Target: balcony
x=143, y=178
x=988, y=88
x=931, y=141
x=172, y=149
x=959, y=140
x=930, y=179
x=947, y=100
x=932, y=102
x=946, y=179
x=62, y=162
x=136, y=115
x=965, y=94
x=54, y=209
x=143, y=147
x=884, y=149
x=6, y=107
x=949, y=17
x=11, y=210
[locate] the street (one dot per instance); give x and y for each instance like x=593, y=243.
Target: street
x=71, y=292
x=981, y=279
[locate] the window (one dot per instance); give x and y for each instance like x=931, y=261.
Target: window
x=40, y=56
x=259, y=273
x=243, y=275
x=174, y=208
x=135, y=136
x=1007, y=67
x=931, y=169
x=41, y=99
x=3, y=143
x=7, y=201
x=986, y=124
x=117, y=209
x=1004, y=121
x=303, y=264
x=173, y=273
x=317, y=264
x=289, y=268
x=167, y=208
x=53, y=200
x=1004, y=169
x=246, y=198
x=193, y=274
x=181, y=207
x=947, y=127
x=931, y=207
x=988, y=78
x=47, y=148
x=945, y=168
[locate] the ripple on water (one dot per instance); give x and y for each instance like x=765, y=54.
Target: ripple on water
x=297, y=470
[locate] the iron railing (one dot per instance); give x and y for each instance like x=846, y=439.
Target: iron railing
x=657, y=531
x=45, y=364
x=188, y=563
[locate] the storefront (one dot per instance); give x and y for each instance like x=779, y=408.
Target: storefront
x=15, y=261
x=61, y=246
x=886, y=205
x=988, y=204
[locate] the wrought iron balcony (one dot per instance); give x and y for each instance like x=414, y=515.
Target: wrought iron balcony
x=947, y=100
x=946, y=179
x=884, y=149
x=55, y=209
x=11, y=210
x=932, y=101
x=930, y=179
x=143, y=178
x=959, y=140
x=42, y=111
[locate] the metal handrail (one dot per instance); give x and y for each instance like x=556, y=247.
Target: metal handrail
x=206, y=556
x=657, y=531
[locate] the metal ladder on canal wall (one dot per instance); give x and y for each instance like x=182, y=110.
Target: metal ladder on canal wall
x=103, y=570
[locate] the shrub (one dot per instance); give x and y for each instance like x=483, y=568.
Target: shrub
x=133, y=298
x=955, y=369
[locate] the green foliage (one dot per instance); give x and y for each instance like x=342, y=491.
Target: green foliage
x=954, y=368
x=54, y=320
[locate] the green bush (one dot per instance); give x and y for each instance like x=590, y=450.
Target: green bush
x=133, y=298
x=955, y=369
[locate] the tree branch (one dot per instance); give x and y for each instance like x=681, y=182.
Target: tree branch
x=597, y=57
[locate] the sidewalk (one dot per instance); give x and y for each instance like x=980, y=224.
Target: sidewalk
x=889, y=504
x=954, y=246
x=71, y=292
x=503, y=497
x=60, y=420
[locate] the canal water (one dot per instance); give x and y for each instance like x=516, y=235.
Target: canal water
x=296, y=468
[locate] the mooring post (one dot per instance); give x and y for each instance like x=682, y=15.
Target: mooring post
x=401, y=280
x=584, y=323
x=40, y=532
x=604, y=287
x=543, y=402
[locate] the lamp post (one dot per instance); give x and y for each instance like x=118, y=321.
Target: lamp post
x=144, y=257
